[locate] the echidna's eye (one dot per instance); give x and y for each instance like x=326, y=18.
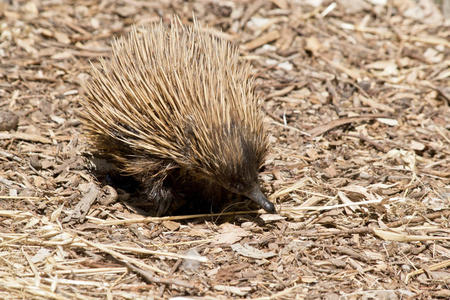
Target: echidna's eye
x=238, y=188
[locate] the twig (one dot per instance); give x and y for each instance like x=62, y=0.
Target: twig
x=152, y=279
x=342, y=121
x=365, y=139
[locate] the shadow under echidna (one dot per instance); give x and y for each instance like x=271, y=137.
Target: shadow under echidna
x=176, y=109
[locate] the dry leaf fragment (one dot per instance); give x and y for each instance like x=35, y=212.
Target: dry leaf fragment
x=271, y=217
x=282, y=4
x=321, y=129
x=390, y=122
x=331, y=171
x=58, y=120
x=355, y=7
x=25, y=137
x=389, y=235
x=443, y=75
x=381, y=64
x=262, y=40
x=26, y=44
x=55, y=215
x=171, y=225
x=338, y=263
x=62, y=55
x=376, y=105
x=33, y=221
x=82, y=208
x=313, y=44
x=227, y=238
x=196, y=232
x=249, y=251
x=312, y=153
x=408, y=157
x=62, y=37
x=126, y=11
x=415, y=145
x=240, y=291
x=194, y=262
x=42, y=254
x=227, y=227
x=351, y=72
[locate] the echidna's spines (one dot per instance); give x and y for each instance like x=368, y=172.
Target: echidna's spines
x=177, y=98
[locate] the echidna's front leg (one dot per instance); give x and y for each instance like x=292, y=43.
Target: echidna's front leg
x=159, y=193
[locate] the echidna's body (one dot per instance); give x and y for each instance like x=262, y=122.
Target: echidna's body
x=176, y=109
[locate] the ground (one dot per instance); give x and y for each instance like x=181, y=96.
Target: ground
x=356, y=95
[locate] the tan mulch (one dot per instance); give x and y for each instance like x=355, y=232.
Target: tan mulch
x=357, y=95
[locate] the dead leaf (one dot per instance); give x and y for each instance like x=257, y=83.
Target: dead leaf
x=171, y=225
x=249, y=251
x=226, y=238
x=313, y=44
x=62, y=37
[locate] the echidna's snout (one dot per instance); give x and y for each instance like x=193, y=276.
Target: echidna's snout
x=258, y=197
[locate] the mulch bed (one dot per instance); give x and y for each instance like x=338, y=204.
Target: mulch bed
x=356, y=95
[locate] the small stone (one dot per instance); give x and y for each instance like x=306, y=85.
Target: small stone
x=8, y=121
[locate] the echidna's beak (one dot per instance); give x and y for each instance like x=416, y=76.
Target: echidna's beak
x=257, y=196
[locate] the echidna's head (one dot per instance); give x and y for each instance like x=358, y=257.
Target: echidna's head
x=239, y=174
x=231, y=158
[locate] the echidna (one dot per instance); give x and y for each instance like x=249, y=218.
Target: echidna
x=177, y=109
